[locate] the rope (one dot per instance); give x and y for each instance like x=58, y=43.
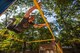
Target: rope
x=9, y=36
x=42, y=14
x=40, y=41
x=59, y=48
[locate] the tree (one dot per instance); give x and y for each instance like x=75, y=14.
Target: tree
x=68, y=19
x=66, y=14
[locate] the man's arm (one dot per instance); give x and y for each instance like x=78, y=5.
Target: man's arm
x=39, y=25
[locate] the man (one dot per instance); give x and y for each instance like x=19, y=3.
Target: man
x=25, y=22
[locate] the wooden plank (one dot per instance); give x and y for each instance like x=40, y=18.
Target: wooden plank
x=4, y=4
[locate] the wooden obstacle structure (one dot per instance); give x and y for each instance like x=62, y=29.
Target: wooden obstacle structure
x=47, y=48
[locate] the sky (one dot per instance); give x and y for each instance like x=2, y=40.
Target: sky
x=49, y=19
x=2, y=17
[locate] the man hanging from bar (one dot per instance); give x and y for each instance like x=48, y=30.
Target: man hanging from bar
x=25, y=22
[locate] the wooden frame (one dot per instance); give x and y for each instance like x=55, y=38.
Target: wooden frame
x=4, y=4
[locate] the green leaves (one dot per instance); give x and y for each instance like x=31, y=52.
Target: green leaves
x=67, y=15
x=63, y=2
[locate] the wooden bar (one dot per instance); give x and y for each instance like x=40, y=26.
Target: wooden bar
x=4, y=4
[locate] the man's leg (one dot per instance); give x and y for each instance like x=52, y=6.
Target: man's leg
x=27, y=14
